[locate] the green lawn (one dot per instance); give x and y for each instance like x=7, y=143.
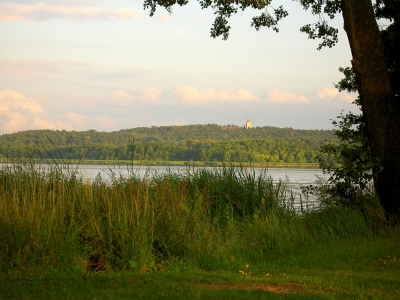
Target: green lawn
x=360, y=268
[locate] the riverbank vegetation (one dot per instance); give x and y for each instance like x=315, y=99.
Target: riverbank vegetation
x=203, y=221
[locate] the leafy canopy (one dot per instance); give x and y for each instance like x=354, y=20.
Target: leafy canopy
x=269, y=17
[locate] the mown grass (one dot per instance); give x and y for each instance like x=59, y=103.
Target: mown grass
x=163, y=236
x=361, y=268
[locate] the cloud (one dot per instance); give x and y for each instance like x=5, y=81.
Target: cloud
x=156, y=107
x=151, y=94
x=279, y=96
x=11, y=100
x=106, y=123
x=18, y=112
x=162, y=17
x=188, y=96
x=327, y=93
x=121, y=94
x=182, y=95
x=43, y=12
x=121, y=98
x=82, y=122
x=332, y=95
x=192, y=95
x=345, y=97
x=324, y=96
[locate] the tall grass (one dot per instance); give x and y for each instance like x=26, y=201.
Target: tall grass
x=53, y=217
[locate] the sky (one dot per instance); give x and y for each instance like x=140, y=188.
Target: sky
x=107, y=65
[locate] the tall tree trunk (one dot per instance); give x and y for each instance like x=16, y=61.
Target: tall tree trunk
x=379, y=105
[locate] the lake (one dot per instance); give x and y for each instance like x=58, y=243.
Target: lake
x=293, y=177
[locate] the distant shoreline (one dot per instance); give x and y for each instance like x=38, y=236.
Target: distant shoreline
x=168, y=163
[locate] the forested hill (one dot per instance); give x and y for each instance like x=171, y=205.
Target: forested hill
x=190, y=142
x=313, y=138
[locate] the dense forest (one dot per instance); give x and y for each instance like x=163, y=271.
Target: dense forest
x=171, y=143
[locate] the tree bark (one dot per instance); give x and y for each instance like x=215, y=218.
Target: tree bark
x=380, y=107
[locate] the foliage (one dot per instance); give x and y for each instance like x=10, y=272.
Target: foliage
x=351, y=167
x=379, y=96
x=350, y=163
x=390, y=9
x=171, y=134
x=269, y=17
x=171, y=143
x=211, y=217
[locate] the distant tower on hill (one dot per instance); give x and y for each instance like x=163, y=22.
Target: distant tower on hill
x=248, y=124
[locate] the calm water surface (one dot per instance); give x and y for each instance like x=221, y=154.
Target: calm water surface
x=293, y=177
x=296, y=176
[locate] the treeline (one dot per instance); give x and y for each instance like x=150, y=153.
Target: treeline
x=171, y=143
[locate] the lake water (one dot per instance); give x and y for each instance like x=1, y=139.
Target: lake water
x=293, y=177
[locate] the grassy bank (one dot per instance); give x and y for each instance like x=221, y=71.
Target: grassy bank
x=357, y=268
x=206, y=221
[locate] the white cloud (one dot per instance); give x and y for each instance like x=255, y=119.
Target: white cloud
x=44, y=12
x=17, y=112
x=188, y=96
x=156, y=107
x=327, y=93
x=191, y=95
x=324, y=96
x=121, y=98
x=162, y=17
x=332, y=95
x=121, y=94
x=150, y=96
x=82, y=122
x=151, y=93
x=182, y=95
x=279, y=96
x=11, y=100
x=41, y=123
x=345, y=97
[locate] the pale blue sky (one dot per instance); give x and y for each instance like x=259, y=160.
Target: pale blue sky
x=106, y=65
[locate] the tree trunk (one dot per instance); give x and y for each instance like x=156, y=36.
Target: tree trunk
x=379, y=105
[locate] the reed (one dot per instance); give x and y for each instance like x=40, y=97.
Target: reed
x=50, y=216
